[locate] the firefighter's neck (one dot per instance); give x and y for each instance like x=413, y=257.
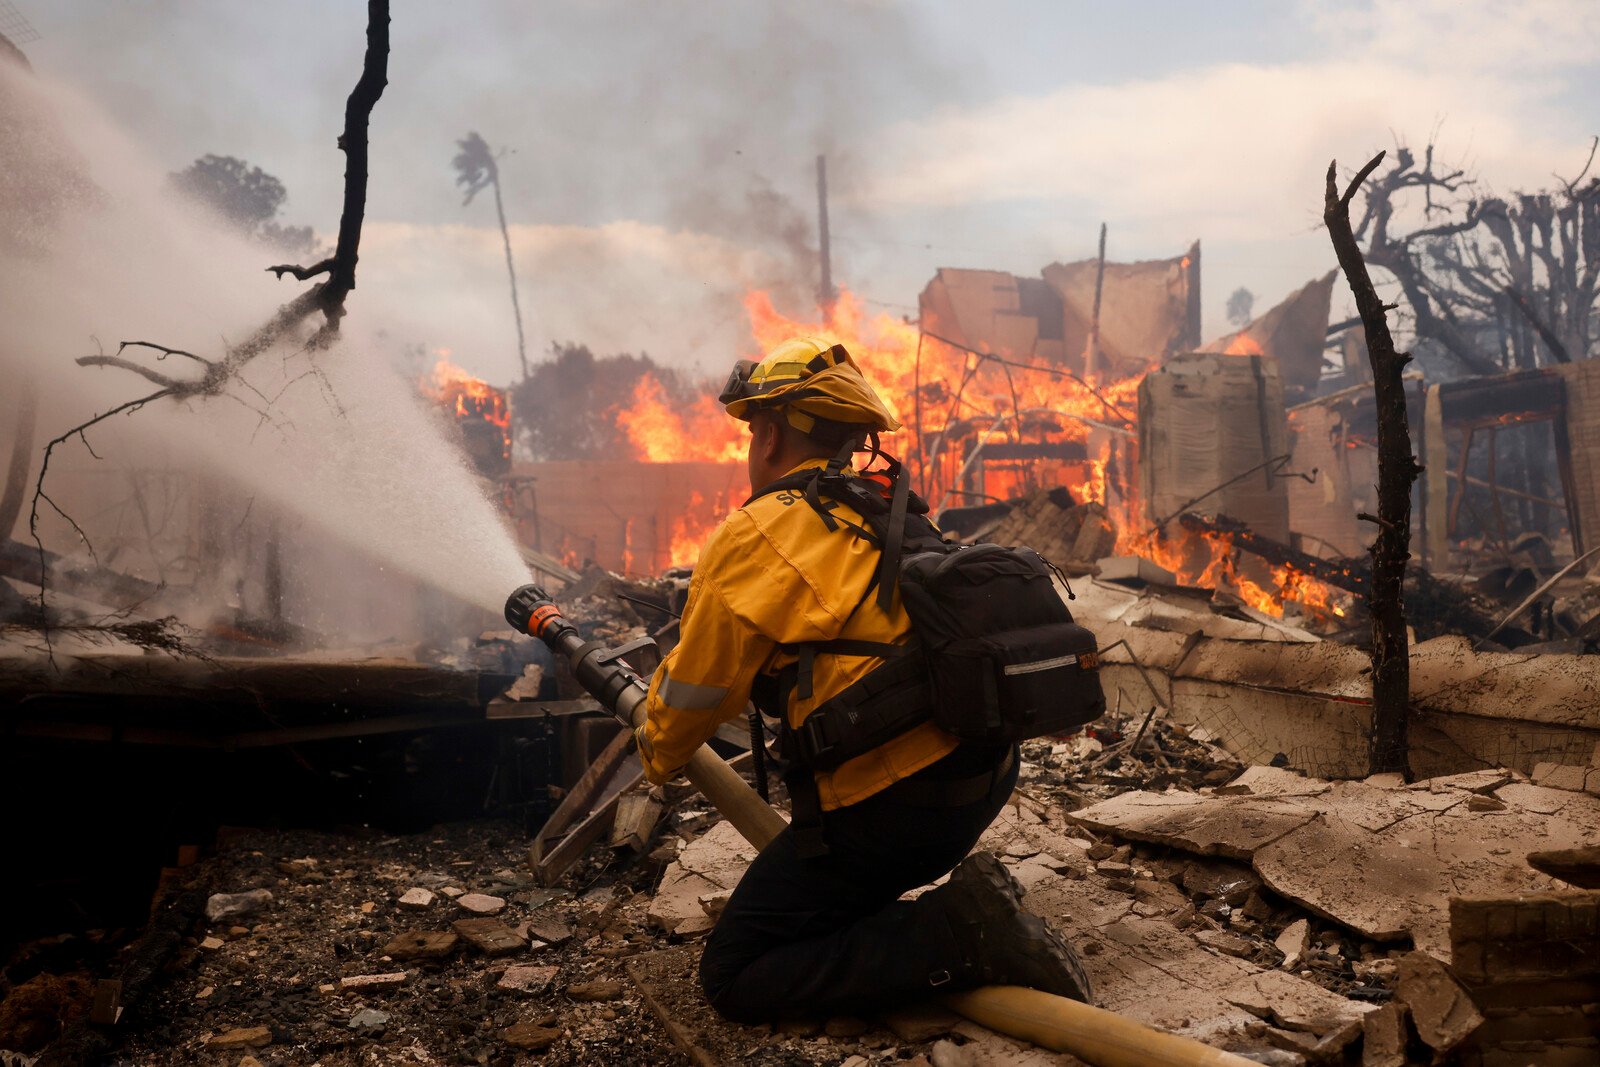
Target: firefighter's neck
x=776, y=448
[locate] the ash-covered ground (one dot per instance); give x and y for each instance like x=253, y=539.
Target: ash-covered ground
x=438, y=948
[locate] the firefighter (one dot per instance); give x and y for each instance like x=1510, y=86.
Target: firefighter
x=815, y=927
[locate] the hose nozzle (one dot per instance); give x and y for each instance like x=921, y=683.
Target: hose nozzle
x=530, y=610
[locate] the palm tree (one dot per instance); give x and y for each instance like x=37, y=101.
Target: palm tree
x=475, y=170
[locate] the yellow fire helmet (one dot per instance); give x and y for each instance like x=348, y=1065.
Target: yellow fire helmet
x=809, y=380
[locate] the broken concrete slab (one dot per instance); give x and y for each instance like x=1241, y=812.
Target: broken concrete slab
x=1379, y=860
x=1226, y=943
x=416, y=899
x=244, y=1037
x=489, y=936
x=1133, y=571
x=1441, y=1008
x=550, y=931
x=373, y=983
x=527, y=978
x=421, y=945
x=1384, y=1036
x=1480, y=782
x=1293, y=1004
x=1293, y=942
x=710, y=865
x=481, y=903
x=1194, y=822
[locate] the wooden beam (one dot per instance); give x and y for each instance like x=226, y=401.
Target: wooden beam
x=560, y=858
x=582, y=798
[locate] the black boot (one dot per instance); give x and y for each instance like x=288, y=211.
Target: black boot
x=1000, y=944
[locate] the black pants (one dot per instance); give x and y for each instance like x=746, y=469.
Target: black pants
x=813, y=938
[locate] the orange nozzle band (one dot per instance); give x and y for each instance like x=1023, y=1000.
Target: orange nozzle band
x=541, y=616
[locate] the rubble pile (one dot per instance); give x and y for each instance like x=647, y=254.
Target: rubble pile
x=1052, y=524
x=1120, y=753
x=432, y=948
x=1287, y=918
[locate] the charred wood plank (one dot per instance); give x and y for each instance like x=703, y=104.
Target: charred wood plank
x=395, y=686
x=1351, y=575
x=559, y=859
x=21, y=563
x=582, y=798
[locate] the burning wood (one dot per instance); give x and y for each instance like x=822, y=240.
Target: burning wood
x=1350, y=575
x=481, y=414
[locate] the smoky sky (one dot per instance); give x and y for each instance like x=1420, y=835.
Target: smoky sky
x=996, y=135
x=704, y=116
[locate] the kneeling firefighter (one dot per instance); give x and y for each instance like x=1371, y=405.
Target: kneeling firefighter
x=902, y=671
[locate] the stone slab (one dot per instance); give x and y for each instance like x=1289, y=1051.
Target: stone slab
x=527, y=978
x=1231, y=826
x=489, y=936
x=421, y=945
x=1380, y=858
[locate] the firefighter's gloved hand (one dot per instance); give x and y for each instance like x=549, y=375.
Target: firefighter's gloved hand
x=647, y=757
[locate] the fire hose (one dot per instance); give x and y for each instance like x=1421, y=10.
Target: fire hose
x=1092, y=1034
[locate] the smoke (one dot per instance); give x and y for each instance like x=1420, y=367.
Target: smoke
x=698, y=122
x=308, y=450
x=709, y=117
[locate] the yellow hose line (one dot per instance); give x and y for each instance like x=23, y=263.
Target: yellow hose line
x=1094, y=1035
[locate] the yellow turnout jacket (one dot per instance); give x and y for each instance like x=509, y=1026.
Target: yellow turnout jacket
x=773, y=574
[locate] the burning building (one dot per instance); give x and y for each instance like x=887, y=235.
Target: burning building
x=479, y=413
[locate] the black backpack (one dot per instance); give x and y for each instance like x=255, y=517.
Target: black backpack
x=995, y=656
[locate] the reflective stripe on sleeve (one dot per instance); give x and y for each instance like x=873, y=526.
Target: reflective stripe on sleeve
x=688, y=696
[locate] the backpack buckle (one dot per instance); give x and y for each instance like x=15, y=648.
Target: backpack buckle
x=815, y=737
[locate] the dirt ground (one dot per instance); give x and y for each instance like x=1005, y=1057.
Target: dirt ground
x=335, y=908
x=583, y=962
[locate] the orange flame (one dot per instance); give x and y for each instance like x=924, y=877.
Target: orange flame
x=1242, y=344
x=691, y=528
x=471, y=397
x=662, y=433
x=951, y=400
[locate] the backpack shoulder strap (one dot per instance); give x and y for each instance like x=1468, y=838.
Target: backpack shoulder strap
x=894, y=539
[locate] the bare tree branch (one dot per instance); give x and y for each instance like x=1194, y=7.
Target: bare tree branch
x=129, y=365
x=162, y=351
x=1572, y=186
x=327, y=297
x=1557, y=350
x=302, y=273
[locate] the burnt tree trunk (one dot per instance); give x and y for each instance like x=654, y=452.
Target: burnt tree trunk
x=21, y=456
x=1397, y=470
x=353, y=143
